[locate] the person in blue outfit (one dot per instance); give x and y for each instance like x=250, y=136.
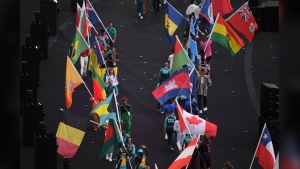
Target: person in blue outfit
x=191, y=103
x=169, y=105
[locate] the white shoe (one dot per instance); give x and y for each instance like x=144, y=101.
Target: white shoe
x=200, y=111
x=107, y=157
x=172, y=148
x=205, y=108
x=162, y=112
x=159, y=4
x=110, y=159
x=141, y=17
x=139, y=14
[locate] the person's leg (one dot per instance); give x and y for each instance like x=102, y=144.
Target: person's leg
x=86, y=60
x=205, y=102
x=116, y=70
x=81, y=65
x=157, y=6
x=199, y=103
x=96, y=119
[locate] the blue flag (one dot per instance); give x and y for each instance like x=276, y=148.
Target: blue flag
x=91, y=13
x=193, y=81
x=206, y=12
x=172, y=20
x=98, y=51
x=192, y=44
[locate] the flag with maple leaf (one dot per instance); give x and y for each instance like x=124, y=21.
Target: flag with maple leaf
x=193, y=124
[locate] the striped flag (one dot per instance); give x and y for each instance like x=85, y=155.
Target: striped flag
x=70, y=133
x=184, y=158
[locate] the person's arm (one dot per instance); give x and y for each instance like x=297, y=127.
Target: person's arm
x=147, y=151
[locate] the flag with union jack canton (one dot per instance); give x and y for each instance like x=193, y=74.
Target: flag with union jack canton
x=243, y=21
x=91, y=13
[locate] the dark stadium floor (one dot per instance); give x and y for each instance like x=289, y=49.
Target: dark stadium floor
x=233, y=99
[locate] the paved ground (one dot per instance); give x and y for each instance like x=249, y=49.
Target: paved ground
x=233, y=101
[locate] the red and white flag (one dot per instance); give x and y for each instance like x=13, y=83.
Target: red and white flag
x=193, y=124
x=265, y=151
x=185, y=157
x=243, y=21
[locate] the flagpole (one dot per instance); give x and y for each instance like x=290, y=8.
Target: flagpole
x=121, y=136
x=257, y=145
x=235, y=11
x=211, y=32
x=117, y=109
x=87, y=19
x=101, y=55
x=100, y=20
x=213, y=28
x=80, y=77
x=194, y=150
x=186, y=53
x=182, y=117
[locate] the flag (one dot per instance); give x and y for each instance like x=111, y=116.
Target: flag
x=105, y=117
x=93, y=60
x=83, y=24
x=195, y=124
x=185, y=156
x=193, y=81
x=110, y=144
x=172, y=20
x=192, y=44
x=221, y=6
x=243, y=21
x=98, y=86
x=176, y=85
x=102, y=108
x=73, y=80
x=180, y=56
x=78, y=45
x=98, y=52
x=91, y=13
x=226, y=36
x=206, y=12
x=265, y=151
x=182, y=124
x=70, y=133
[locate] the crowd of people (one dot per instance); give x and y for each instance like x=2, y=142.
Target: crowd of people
x=127, y=156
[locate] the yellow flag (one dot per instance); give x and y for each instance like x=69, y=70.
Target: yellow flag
x=73, y=80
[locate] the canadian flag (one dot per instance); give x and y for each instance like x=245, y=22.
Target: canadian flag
x=185, y=157
x=192, y=124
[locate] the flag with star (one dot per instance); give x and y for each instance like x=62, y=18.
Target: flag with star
x=178, y=84
x=265, y=151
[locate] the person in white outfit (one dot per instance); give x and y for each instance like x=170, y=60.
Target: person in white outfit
x=193, y=8
x=178, y=135
x=170, y=59
x=84, y=58
x=111, y=75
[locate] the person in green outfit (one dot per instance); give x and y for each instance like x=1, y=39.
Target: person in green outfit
x=126, y=115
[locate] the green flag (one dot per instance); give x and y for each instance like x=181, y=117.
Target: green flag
x=180, y=56
x=110, y=144
x=78, y=45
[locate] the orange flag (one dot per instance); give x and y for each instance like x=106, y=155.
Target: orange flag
x=73, y=80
